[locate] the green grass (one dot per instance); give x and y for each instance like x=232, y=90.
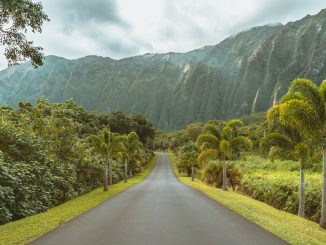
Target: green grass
x=252, y=163
x=28, y=229
x=289, y=227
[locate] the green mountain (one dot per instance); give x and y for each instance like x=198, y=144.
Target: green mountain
x=244, y=73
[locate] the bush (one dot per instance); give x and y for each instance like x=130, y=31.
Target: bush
x=280, y=190
x=213, y=174
x=30, y=188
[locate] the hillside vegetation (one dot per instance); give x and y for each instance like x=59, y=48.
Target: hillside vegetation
x=48, y=155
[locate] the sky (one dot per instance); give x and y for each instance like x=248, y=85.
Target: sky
x=123, y=28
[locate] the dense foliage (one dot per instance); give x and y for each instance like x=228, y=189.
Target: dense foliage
x=187, y=159
x=46, y=157
x=281, y=190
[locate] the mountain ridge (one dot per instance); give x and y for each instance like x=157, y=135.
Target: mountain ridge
x=244, y=73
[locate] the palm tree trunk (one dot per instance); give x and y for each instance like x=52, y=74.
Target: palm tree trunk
x=105, y=187
x=323, y=203
x=126, y=170
x=192, y=172
x=110, y=172
x=301, y=211
x=225, y=183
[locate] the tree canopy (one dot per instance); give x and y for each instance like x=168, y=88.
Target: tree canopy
x=16, y=18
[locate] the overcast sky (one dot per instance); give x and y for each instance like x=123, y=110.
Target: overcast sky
x=122, y=28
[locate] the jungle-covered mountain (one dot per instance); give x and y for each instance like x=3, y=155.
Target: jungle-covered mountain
x=245, y=73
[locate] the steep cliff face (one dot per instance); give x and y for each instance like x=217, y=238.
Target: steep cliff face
x=244, y=73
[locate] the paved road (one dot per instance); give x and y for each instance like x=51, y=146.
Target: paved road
x=160, y=210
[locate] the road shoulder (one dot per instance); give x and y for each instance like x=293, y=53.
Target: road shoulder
x=28, y=229
x=289, y=227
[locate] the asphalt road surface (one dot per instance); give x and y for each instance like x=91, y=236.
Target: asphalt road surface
x=159, y=210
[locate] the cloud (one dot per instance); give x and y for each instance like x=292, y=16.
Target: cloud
x=80, y=14
x=81, y=27
x=122, y=28
x=276, y=11
x=97, y=10
x=83, y=11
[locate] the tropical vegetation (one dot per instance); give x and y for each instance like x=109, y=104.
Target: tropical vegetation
x=287, y=226
x=274, y=157
x=53, y=152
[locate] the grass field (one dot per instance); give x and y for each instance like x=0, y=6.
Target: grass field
x=26, y=230
x=289, y=227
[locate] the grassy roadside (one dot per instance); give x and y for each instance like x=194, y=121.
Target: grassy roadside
x=26, y=230
x=289, y=227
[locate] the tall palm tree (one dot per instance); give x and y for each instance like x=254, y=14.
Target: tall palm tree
x=234, y=125
x=291, y=144
x=225, y=149
x=133, y=151
x=216, y=144
x=303, y=108
x=232, y=143
x=209, y=143
x=110, y=146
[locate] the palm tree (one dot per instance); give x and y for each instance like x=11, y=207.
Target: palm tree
x=208, y=143
x=290, y=144
x=214, y=144
x=234, y=125
x=110, y=146
x=133, y=151
x=232, y=143
x=303, y=108
x=225, y=149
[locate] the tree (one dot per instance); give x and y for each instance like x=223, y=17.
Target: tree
x=234, y=125
x=303, y=108
x=225, y=148
x=223, y=145
x=208, y=143
x=192, y=131
x=117, y=122
x=133, y=151
x=290, y=144
x=16, y=17
x=143, y=127
x=212, y=174
x=110, y=146
x=188, y=155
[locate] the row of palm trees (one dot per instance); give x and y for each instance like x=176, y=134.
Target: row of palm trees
x=222, y=144
x=297, y=126
x=113, y=146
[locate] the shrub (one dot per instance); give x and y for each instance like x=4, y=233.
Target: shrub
x=280, y=190
x=213, y=174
